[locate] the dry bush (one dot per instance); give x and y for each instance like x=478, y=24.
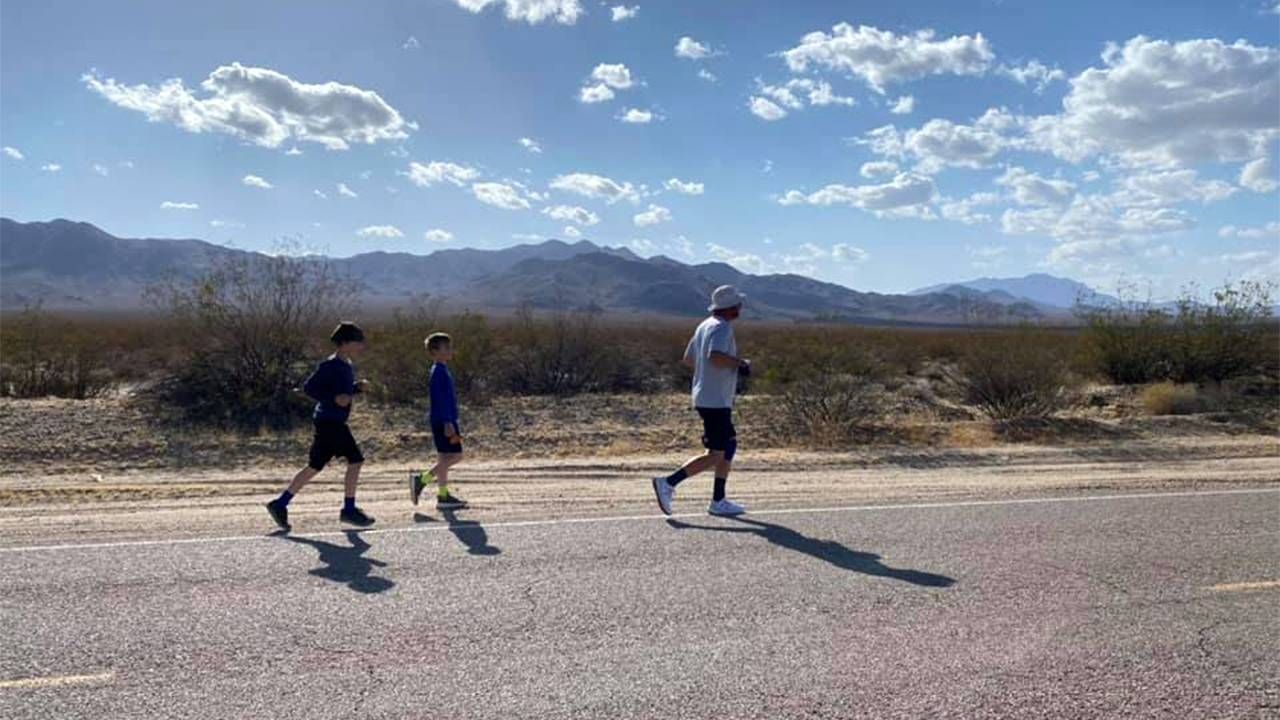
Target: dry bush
x=826, y=394
x=248, y=333
x=45, y=356
x=1169, y=398
x=1015, y=376
x=398, y=365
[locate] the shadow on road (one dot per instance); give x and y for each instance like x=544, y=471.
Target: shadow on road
x=828, y=550
x=347, y=565
x=469, y=532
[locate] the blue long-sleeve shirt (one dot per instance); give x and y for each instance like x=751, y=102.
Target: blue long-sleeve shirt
x=332, y=378
x=444, y=401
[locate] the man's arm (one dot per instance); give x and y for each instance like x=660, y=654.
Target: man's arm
x=725, y=360
x=687, y=360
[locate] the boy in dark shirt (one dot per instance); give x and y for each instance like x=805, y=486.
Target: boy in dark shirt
x=443, y=418
x=333, y=386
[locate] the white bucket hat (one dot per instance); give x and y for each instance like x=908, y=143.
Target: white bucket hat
x=725, y=297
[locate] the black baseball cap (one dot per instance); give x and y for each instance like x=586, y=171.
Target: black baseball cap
x=346, y=332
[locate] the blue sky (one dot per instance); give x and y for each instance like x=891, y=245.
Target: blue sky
x=884, y=146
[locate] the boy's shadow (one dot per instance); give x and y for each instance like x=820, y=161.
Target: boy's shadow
x=828, y=550
x=469, y=532
x=347, y=564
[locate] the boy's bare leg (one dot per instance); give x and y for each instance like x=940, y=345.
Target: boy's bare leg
x=303, y=477
x=444, y=461
x=351, y=479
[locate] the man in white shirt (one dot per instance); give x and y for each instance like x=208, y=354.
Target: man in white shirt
x=713, y=355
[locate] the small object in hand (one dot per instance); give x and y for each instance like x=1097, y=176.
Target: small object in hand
x=745, y=368
x=361, y=386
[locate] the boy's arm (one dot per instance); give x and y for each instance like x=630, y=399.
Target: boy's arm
x=319, y=386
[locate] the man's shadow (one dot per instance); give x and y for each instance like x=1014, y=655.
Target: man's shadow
x=347, y=565
x=827, y=550
x=468, y=532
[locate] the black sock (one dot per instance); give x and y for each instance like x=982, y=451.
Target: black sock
x=676, y=477
x=348, y=504
x=717, y=494
x=284, y=498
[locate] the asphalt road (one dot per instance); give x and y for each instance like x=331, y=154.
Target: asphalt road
x=1137, y=605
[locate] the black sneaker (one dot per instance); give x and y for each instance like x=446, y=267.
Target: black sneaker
x=449, y=502
x=279, y=513
x=415, y=487
x=355, y=516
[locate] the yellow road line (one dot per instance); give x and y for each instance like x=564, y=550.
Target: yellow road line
x=1246, y=586
x=56, y=681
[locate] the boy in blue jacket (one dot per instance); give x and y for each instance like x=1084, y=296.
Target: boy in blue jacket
x=333, y=386
x=443, y=418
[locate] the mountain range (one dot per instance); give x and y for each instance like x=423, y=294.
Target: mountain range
x=77, y=266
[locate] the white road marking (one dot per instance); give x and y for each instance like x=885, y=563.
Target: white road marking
x=1245, y=586
x=56, y=681
x=651, y=517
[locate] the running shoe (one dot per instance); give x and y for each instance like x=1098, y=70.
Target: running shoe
x=280, y=513
x=415, y=487
x=355, y=516
x=449, y=502
x=725, y=507
x=664, y=492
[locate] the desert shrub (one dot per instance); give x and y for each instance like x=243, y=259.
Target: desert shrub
x=248, y=331
x=563, y=353
x=398, y=365
x=45, y=356
x=1168, y=398
x=825, y=396
x=1014, y=376
x=1128, y=342
x=1226, y=338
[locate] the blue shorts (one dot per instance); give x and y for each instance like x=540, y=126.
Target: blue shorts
x=443, y=444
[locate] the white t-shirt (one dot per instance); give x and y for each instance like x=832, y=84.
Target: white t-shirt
x=713, y=386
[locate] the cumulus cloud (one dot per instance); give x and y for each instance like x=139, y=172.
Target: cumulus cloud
x=345, y=191
x=707, y=75
x=906, y=190
x=796, y=92
x=438, y=171
x=101, y=169
x=605, y=78
x=565, y=12
x=1259, y=175
x=654, y=215
x=809, y=257
x=686, y=188
x=744, y=261
x=882, y=58
x=904, y=105
x=1095, y=218
x=380, y=231
x=1035, y=73
x=690, y=49
x=1028, y=188
x=571, y=213
x=878, y=169
x=571, y=232
x=531, y=145
x=499, y=195
x=765, y=109
x=1169, y=187
x=598, y=93
x=942, y=143
x=12, y=152
x=264, y=107
x=620, y=13
x=595, y=186
x=51, y=167
x=1169, y=104
x=410, y=44
x=636, y=116
x=171, y=205
x=966, y=210
x=436, y=235
x=255, y=181
x=1271, y=229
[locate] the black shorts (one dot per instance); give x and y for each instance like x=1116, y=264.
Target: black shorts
x=443, y=444
x=333, y=439
x=718, y=432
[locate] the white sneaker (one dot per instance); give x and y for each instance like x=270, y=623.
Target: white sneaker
x=664, y=492
x=725, y=507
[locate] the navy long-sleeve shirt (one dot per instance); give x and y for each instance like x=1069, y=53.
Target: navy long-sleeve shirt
x=332, y=378
x=444, y=401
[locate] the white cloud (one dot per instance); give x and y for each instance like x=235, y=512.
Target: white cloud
x=438, y=171
x=636, y=116
x=595, y=186
x=101, y=169
x=690, y=49
x=380, y=231
x=765, y=109
x=904, y=105
x=572, y=232
x=1259, y=175
x=707, y=75
x=643, y=246
x=293, y=151
x=1028, y=188
x=1169, y=187
x=13, y=153
x=565, y=12
x=941, y=143
x=619, y=13
x=965, y=210
x=263, y=107
x=320, y=194
x=1248, y=256
x=171, y=205
x=881, y=58
x=1100, y=219
x=255, y=181
x=571, y=213
x=843, y=252
x=597, y=93
x=878, y=169
x=51, y=167
x=809, y=257
x=746, y=262
x=500, y=195
x=1034, y=73
x=1169, y=104
x=654, y=215
x=345, y=191
x=906, y=190
x=616, y=76
x=795, y=92
x=436, y=235
x=686, y=188
x=225, y=224
x=410, y=44
x=1271, y=229
x=531, y=145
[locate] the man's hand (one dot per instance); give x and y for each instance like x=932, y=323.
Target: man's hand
x=362, y=386
x=342, y=400
x=744, y=368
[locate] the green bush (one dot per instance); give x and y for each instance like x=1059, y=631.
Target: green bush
x=1015, y=376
